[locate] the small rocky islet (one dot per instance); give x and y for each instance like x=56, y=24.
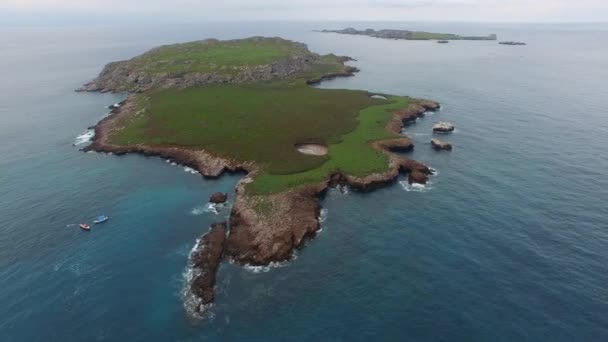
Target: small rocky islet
x=186, y=103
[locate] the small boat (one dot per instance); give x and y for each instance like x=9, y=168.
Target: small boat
x=101, y=219
x=84, y=226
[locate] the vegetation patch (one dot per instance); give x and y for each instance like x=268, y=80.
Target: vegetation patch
x=222, y=57
x=257, y=121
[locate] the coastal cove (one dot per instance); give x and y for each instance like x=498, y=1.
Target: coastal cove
x=507, y=241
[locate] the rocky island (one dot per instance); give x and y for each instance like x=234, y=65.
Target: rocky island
x=247, y=106
x=409, y=35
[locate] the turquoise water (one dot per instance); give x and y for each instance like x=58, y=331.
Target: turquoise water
x=508, y=243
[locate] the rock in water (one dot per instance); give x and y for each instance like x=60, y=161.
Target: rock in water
x=443, y=127
x=441, y=145
x=218, y=198
x=205, y=262
x=417, y=177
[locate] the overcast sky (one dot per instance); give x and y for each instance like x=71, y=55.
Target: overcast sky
x=315, y=10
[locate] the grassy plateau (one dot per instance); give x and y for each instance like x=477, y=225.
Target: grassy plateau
x=261, y=121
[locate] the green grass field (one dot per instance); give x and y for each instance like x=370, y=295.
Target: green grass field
x=260, y=122
x=263, y=123
x=219, y=57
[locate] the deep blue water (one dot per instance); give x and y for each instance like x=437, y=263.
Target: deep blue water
x=508, y=243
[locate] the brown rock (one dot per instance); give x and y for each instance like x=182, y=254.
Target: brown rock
x=268, y=228
x=441, y=145
x=205, y=262
x=218, y=198
x=443, y=127
x=416, y=176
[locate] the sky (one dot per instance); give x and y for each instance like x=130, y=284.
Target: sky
x=319, y=10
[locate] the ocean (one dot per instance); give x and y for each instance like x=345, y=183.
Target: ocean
x=509, y=241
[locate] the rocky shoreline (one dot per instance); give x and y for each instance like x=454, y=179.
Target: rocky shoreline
x=262, y=229
x=130, y=76
x=253, y=236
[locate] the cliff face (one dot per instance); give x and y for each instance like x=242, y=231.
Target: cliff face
x=124, y=76
x=268, y=228
x=152, y=71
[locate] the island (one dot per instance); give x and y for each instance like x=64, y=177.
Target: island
x=511, y=43
x=250, y=106
x=409, y=35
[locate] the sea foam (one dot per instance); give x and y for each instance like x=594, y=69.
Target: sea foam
x=415, y=187
x=84, y=137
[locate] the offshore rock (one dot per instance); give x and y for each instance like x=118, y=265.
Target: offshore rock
x=441, y=145
x=218, y=198
x=443, y=127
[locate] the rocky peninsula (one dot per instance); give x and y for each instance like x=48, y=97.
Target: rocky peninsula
x=409, y=35
x=187, y=104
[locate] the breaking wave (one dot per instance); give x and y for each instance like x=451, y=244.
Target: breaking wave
x=323, y=215
x=415, y=187
x=192, y=303
x=207, y=208
x=190, y=170
x=344, y=190
x=269, y=267
x=85, y=137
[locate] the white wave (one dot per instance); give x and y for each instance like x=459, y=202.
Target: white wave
x=323, y=215
x=269, y=267
x=84, y=137
x=173, y=163
x=207, y=208
x=434, y=172
x=192, y=303
x=190, y=170
x=265, y=269
x=415, y=187
x=344, y=190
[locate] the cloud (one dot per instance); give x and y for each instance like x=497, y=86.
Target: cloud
x=404, y=10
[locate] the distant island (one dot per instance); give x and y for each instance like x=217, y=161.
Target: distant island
x=248, y=106
x=511, y=43
x=409, y=35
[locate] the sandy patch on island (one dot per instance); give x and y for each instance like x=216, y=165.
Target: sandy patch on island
x=312, y=149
